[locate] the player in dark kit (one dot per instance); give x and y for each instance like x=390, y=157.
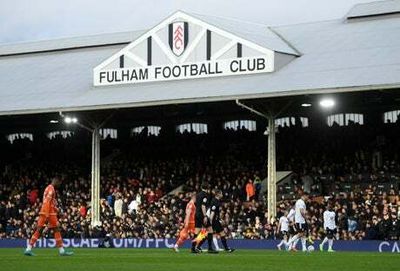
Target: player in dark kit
x=215, y=219
x=202, y=221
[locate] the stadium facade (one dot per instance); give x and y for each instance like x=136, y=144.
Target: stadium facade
x=190, y=58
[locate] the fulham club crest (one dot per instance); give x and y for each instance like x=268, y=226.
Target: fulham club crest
x=178, y=37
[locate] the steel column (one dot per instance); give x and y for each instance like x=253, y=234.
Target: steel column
x=95, y=185
x=271, y=197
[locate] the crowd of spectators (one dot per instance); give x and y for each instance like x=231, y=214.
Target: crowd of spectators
x=135, y=191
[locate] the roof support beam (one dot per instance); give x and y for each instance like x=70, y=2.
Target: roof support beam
x=94, y=129
x=271, y=172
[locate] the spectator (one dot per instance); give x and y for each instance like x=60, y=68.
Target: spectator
x=150, y=196
x=371, y=232
x=394, y=229
x=385, y=226
x=359, y=192
x=110, y=198
x=352, y=224
x=83, y=210
x=33, y=195
x=133, y=206
x=257, y=185
x=250, y=191
x=118, y=205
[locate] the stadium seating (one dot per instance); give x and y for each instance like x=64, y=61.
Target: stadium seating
x=137, y=177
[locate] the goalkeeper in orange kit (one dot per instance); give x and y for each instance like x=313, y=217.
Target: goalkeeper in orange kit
x=48, y=217
x=189, y=223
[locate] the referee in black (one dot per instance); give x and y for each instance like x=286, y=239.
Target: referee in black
x=215, y=206
x=201, y=219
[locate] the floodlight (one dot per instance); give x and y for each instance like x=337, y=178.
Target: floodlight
x=327, y=103
x=70, y=120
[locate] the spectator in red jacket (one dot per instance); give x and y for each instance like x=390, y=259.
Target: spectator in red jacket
x=33, y=195
x=83, y=210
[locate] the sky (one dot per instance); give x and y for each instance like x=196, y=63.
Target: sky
x=32, y=20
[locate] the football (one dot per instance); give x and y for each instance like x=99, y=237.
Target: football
x=310, y=248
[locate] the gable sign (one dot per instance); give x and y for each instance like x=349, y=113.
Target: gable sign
x=183, y=47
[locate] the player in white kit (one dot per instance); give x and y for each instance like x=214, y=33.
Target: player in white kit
x=283, y=229
x=292, y=227
x=301, y=225
x=330, y=228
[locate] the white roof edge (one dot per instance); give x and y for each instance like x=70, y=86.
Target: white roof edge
x=223, y=17
x=298, y=53
x=205, y=99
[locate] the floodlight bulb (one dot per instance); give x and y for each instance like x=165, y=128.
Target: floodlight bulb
x=327, y=103
x=67, y=120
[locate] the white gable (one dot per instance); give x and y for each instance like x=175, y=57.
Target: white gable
x=184, y=47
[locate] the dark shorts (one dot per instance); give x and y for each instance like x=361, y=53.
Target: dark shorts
x=301, y=227
x=217, y=227
x=292, y=229
x=199, y=223
x=330, y=233
x=284, y=234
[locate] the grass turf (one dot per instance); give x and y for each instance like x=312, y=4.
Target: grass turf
x=164, y=259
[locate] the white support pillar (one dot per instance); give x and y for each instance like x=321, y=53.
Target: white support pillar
x=271, y=176
x=95, y=187
x=271, y=196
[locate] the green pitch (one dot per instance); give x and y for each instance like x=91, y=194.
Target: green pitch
x=163, y=259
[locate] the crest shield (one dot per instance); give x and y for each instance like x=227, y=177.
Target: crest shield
x=178, y=37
